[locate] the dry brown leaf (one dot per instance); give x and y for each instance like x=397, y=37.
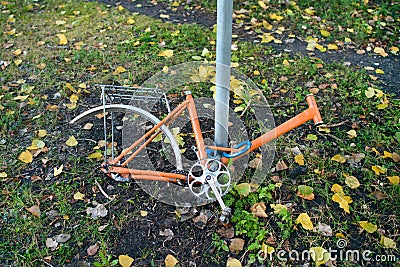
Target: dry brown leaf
x=92, y=250
x=258, y=209
x=255, y=163
x=280, y=166
x=236, y=245
x=323, y=229
x=395, y=157
x=62, y=238
x=35, y=210
x=51, y=243
x=379, y=195
x=98, y=211
x=227, y=232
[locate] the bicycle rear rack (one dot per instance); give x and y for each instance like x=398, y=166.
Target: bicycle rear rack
x=129, y=95
x=141, y=97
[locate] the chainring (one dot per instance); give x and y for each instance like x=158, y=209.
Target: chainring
x=209, y=169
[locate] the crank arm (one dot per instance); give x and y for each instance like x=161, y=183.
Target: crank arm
x=226, y=211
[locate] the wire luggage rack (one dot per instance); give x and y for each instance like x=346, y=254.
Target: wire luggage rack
x=141, y=97
x=129, y=95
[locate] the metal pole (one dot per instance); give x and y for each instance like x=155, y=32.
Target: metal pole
x=224, y=41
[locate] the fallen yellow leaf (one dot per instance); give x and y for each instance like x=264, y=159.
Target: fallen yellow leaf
x=276, y=17
x=339, y=158
x=17, y=62
x=337, y=188
x=387, y=242
x=78, y=196
x=36, y=144
x=125, y=260
x=143, y=213
x=166, y=53
x=170, y=261
x=41, y=133
x=379, y=71
x=17, y=52
x=71, y=141
x=352, y=134
x=380, y=51
x=278, y=208
x=332, y=47
x=367, y=226
x=312, y=137
x=370, y=92
x=262, y=5
x=299, y=159
x=3, y=175
x=394, y=50
x=59, y=170
x=387, y=155
x=319, y=255
x=267, y=38
x=71, y=105
x=378, y=169
x=120, y=69
x=267, y=249
x=325, y=33
x=351, y=181
x=305, y=221
x=394, y=180
x=95, y=155
x=26, y=157
x=62, y=39
x=309, y=11
x=41, y=66
x=321, y=48
x=232, y=262
x=343, y=201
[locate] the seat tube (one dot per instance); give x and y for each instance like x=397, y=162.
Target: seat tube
x=194, y=119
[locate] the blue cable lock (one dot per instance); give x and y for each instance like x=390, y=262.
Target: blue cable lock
x=246, y=144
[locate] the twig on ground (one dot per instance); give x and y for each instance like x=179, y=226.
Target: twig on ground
x=245, y=109
x=102, y=191
x=48, y=264
x=334, y=137
x=334, y=125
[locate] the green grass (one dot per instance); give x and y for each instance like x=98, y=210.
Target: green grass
x=100, y=39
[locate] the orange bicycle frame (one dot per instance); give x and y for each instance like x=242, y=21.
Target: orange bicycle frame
x=114, y=167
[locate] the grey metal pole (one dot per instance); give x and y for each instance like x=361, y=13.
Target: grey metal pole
x=224, y=42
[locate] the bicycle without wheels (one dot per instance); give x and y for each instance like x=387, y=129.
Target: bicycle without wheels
x=209, y=178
